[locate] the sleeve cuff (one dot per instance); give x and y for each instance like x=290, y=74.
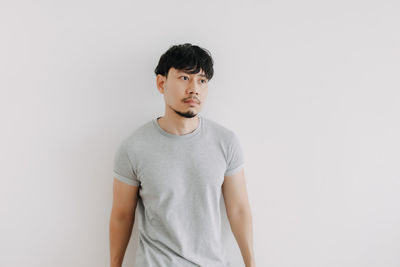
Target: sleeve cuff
x=126, y=180
x=234, y=171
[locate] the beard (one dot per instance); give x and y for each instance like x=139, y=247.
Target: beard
x=188, y=114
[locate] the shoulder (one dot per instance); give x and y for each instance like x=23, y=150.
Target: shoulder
x=221, y=131
x=139, y=135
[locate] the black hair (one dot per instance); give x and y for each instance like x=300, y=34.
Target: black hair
x=186, y=57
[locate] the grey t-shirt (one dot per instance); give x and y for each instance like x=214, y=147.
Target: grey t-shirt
x=179, y=179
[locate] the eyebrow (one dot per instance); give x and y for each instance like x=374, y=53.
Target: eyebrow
x=202, y=75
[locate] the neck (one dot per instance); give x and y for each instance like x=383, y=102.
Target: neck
x=178, y=125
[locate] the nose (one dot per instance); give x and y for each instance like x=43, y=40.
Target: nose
x=193, y=88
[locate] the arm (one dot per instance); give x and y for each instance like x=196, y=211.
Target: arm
x=121, y=220
x=239, y=214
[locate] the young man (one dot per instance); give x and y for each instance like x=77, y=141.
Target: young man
x=174, y=169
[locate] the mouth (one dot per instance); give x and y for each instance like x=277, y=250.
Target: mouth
x=191, y=101
x=192, y=104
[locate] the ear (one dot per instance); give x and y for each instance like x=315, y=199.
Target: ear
x=160, y=83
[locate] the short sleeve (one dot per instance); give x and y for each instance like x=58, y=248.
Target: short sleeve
x=235, y=157
x=123, y=169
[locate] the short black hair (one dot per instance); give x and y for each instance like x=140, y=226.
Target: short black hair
x=186, y=57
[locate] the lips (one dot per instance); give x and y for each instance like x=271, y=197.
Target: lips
x=191, y=101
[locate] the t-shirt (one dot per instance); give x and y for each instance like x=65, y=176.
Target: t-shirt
x=179, y=179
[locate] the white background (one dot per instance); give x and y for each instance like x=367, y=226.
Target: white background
x=310, y=87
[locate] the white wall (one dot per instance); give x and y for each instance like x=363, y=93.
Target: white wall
x=310, y=87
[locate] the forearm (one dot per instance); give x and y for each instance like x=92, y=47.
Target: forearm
x=241, y=225
x=120, y=233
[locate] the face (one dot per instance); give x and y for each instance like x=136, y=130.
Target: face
x=180, y=87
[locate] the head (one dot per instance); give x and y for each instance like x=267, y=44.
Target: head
x=182, y=74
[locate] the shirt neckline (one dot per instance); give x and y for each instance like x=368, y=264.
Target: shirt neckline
x=176, y=136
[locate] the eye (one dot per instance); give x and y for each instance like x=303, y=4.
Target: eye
x=204, y=81
x=184, y=77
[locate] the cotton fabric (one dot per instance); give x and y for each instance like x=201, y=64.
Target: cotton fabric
x=179, y=179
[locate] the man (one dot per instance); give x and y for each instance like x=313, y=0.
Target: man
x=174, y=169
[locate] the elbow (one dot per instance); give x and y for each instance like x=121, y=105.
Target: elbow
x=122, y=216
x=239, y=212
